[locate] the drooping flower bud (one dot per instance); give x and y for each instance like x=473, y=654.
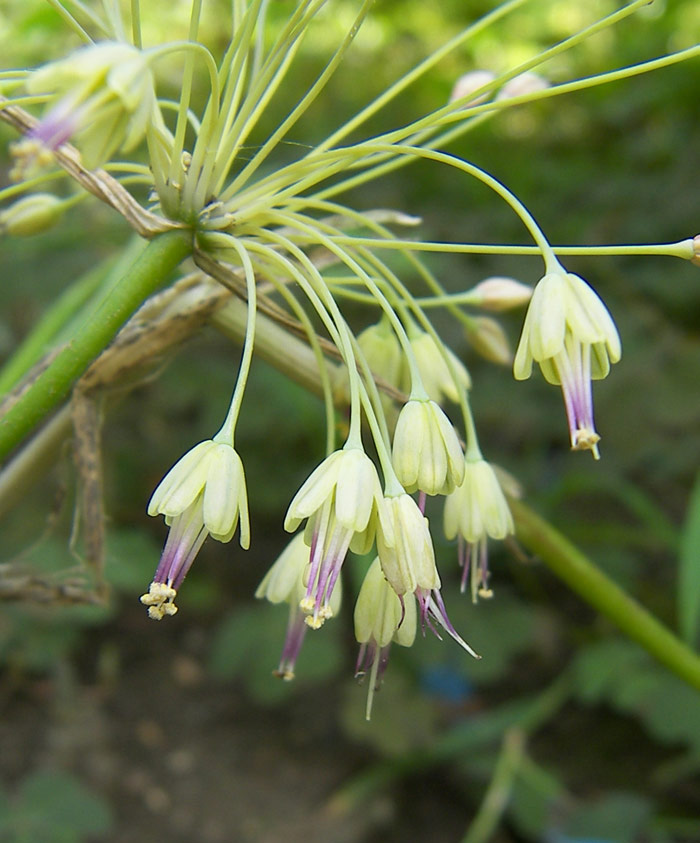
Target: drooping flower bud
x=499, y=293
x=31, y=214
x=381, y=618
x=434, y=372
x=405, y=546
x=489, y=339
x=426, y=453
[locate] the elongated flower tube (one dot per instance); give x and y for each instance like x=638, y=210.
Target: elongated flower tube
x=285, y=582
x=476, y=511
x=339, y=501
x=570, y=333
x=103, y=94
x=203, y=494
x=381, y=618
x=405, y=546
x=426, y=453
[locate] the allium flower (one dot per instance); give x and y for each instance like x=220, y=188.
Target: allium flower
x=285, y=582
x=426, y=453
x=340, y=499
x=405, y=546
x=476, y=511
x=380, y=619
x=202, y=494
x=570, y=333
x=436, y=377
x=103, y=94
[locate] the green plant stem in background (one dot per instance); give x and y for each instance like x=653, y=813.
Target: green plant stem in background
x=52, y=386
x=470, y=736
x=581, y=575
x=498, y=793
x=56, y=324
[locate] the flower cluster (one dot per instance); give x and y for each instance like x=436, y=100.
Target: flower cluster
x=277, y=227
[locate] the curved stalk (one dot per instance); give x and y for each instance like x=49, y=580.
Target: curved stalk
x=569, y=564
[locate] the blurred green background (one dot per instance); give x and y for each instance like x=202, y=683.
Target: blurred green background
x=117, y=729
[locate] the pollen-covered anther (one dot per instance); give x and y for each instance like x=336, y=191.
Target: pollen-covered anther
x=159, y=600
x=28, y=155
x=284, y=675
x=585, y=439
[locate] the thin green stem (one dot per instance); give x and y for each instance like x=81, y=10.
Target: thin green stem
x=321, y=362
x=136, y=23
x=313, y=229
x=185, y=97
x=498, y=792
x=467, y=117
x=228, y=429
x=52, y=386
x=682, y=249
x=70, y=20
x=401, y=84
x=315, y=281
x=568, y=563
x=302, y=105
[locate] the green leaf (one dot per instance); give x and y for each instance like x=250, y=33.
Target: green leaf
x=54, y=807
x=615, y=818
x=689, y=569
x=621, y=674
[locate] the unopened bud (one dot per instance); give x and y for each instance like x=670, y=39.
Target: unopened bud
x=696, y=250
x=500, y=293
x=470, y=83
x=519, y=86
x=488, y=339
x=31, y=214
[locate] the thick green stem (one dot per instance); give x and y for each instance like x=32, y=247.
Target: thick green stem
x=52, y=386
x=69, y=309
x=581, y=575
